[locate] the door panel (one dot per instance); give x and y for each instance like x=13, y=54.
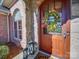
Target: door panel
x=45, y=41
x=67, y=47
x=58, y=45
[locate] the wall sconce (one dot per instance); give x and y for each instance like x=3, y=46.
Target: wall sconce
x=30, y=50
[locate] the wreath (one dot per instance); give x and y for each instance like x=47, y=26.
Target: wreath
x=51, y=27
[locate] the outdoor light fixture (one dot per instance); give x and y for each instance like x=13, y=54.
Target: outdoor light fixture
x=30, y=50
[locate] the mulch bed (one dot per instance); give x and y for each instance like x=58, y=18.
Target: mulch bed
x=14, y=50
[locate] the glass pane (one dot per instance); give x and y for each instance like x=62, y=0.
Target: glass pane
x=15, y=29
x=18, y=16
x=20, y=29
x=1, y=1
x=20, y=34
x=20, y=24
x=75, y=9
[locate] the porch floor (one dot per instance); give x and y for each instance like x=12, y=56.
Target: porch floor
x=14, y=50
x=43, y=56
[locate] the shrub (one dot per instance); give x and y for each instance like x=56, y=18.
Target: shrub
x=4, y=51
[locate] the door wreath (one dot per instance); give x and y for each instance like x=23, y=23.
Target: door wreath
x=51, y=19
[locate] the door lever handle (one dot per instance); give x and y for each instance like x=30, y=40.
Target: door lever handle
x=64, y=34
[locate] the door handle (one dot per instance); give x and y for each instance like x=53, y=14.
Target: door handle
x=64, y=34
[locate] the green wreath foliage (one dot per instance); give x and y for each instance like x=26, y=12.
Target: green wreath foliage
x=54, y=14
x=52, y=26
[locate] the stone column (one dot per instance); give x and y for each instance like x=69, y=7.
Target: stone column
x=29, y=20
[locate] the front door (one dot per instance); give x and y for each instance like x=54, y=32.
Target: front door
x=54, y=35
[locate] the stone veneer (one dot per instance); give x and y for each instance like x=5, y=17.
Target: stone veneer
x=21, y=6
x=26, y=9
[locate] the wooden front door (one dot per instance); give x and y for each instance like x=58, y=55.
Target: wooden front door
x=54, y=41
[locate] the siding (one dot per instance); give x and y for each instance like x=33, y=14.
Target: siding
x=74, y=39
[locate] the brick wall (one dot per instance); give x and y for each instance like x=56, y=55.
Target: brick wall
x=3, y=28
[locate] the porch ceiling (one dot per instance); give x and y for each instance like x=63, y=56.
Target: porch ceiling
x=8, y=3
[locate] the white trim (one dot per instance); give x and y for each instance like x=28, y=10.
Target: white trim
x=8, y=28
x=17, y=31
x=13, y=28
x=35, y=27
x=4, y=11
x=17, y=39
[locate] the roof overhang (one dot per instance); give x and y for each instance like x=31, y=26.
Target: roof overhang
x=4, y=10
x=8, y=3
